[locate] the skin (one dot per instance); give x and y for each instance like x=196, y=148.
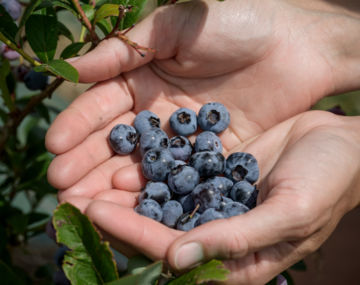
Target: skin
x=268, y=62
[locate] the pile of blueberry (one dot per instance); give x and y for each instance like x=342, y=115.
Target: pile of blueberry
x=189, y=184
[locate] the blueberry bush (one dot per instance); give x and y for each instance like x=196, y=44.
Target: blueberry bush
x=32, y=67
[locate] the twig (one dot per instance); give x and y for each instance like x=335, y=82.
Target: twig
x=134, y=45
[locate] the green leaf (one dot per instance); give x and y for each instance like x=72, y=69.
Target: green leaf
x=104, y=26
x=90, y=260
x=57, y=3
x=137, y=263
x=71, y=50
x=8, y=276
x=148, y=276
x=5, y=92
x=60, y=68
x=105, y=11
x=214, y=270
x=42, y=34
x=89, y=11
x=63, y=30
x=132, y=17
x=25, y=16
x=7, y=26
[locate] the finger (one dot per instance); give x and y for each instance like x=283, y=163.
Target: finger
x=129, y=178
x=112, y=56
x=97, y=180
x=91, y=111
x=119, y=197
x=66, y=169
x=144, y=234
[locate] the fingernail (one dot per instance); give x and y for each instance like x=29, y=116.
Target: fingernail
x=188, y=255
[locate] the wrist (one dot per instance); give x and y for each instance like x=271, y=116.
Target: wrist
x=334, y=29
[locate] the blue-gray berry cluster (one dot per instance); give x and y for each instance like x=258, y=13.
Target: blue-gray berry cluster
x=188, y=184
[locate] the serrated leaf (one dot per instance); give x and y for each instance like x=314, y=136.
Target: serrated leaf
x=42, y=35
x=71, y=50
x=105, y=11
x=148, y=276
x=90, y=260
x=214, y=270
x=60, y=68
x=7, y=25
x=25, y=16
x=63, y=30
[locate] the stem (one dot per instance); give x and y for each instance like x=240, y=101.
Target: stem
x=82, y=34
x=85, y=20
x=15, y=121
x=11, y=45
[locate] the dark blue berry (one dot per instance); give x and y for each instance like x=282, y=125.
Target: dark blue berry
x=183, y=179
x=157, y=163
x=180, y=147
x=183, y=122
x=208, y=163
x=209, y=215
x=35, y=80
x=233, y=208
x=179, y=162
x=208, y=141
x=150, y=209
x=187, y=202
x=123, y=139
x=186, y=222
x=153, y=138
x=172, y=210
x=146, y=120
x=242, y=166
x=206, y=196
x=213, y=117
x=157, y=191
x=222, y=183
x=242, y=192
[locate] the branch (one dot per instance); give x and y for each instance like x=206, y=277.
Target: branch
x=16, y=118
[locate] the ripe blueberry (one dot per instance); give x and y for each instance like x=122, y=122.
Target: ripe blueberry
x=208, y=163
x=183, y=179
x=157, y=163
x=184, y=122
x=213, y=117
x=146, y=120
x=150, y=209
x=153, y=138
x=242, y=166
x=123, y=138
x=208, y=141
x=180, y=147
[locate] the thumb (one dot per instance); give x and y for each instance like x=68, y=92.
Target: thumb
x=158, y=31
x=265, y=225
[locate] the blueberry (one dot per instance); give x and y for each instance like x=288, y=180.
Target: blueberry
x=179, y=162
x=243, y=192
x=209, y=215
x=222, y=183
x=123, y=139
x=157, y=191
x=187, y=202
x=13, y=7
x=153, y=138
x=233, y=208
x=183, y=122
x=206, y=196
x=180, y=147
x=242, y=166
x=35, y=80
x=186, y=222
x=157, y=163
x=146, y=120
x=150, y=209
x=183, y=179
x=208, y=141
x=172, y=210
x=213, y=117
x=208, y=163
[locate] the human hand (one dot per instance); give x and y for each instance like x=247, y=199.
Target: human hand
x=262, y=78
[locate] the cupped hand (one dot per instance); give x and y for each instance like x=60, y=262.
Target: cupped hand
x=252, y=56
